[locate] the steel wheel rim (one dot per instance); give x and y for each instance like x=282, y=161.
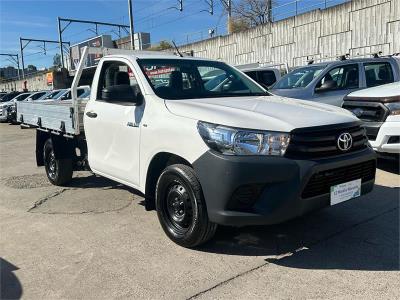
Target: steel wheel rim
x=178, y=208
x=51, y=165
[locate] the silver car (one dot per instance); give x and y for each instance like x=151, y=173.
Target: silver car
x=330, y=82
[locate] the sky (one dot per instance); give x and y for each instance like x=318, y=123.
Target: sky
x=38, y=19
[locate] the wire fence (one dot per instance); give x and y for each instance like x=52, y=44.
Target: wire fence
x=278, y=13
x=299, y=7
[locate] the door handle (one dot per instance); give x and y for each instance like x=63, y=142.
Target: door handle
x=91, y=114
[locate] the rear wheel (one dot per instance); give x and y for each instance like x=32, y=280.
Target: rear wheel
x=181, y=207
x=58, y=171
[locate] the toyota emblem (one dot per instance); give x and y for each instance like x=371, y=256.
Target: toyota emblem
x=344, y=141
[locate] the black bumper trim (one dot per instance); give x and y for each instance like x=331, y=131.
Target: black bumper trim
x=283, y=180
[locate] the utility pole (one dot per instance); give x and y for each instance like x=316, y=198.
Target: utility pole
x=14, y=59
x=28, y=41
x=228, y=6
x=61, y=29
x=60, y=41
x=131, y=24
x=22, y=58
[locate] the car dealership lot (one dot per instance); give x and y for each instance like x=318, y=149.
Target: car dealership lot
x=94, y=239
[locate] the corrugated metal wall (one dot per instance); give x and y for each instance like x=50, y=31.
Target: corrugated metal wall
x=357, y=27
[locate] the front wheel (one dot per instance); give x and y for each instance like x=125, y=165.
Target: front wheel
x=58, y=171
x=181, y=208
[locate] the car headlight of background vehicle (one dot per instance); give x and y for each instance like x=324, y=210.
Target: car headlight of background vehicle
x=235, y=141
x=394, y=108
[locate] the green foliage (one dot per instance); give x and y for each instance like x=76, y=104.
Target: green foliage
x=163, y=45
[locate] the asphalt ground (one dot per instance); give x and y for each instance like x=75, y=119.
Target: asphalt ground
x=94, y=240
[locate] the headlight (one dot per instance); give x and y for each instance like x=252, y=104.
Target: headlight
x=235, y=141
x=394, y=108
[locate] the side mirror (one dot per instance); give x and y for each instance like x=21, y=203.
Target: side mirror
x=326, y=86
x=122, y=93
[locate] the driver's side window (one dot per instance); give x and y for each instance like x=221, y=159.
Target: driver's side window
x=340, y=78
x=117, y=83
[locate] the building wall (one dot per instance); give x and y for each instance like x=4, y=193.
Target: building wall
x=358, y=27
x=38, y=82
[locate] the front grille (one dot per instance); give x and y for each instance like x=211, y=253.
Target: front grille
x=367, y=111
x=372, y=130
x=320, y=183
x=318, y=142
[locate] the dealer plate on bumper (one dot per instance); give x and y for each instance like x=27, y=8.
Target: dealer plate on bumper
x=345, y=191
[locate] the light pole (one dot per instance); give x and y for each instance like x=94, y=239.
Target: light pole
x=131, y=24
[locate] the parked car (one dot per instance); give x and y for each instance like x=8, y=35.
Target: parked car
x=84, y=89
x=2, y=94
x=12, y=109
x=7, y=97
x=379, y=109
x=55, y=94
x=4, y=106
x=264, y=75
x=37, y=95
x=329, y=82
x=232, y=156
x=65, y=94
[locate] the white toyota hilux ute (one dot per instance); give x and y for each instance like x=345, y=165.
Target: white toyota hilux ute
x=202, y=154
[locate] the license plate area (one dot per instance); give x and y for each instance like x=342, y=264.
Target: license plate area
x=345, y=191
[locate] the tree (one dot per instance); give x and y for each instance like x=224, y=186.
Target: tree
x=163, y=45
x=31, y=69
x=57, y=60
x=253, y=12
x=239, y=24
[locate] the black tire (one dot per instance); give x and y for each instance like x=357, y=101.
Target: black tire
x=181, y=208
x=58, y=171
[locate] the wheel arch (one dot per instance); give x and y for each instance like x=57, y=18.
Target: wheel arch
x=41, y=138
x=157, y=164
x=64, y=148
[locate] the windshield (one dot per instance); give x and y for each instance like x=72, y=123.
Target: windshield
x=299, y=78
x=8, y=97
x=189, y=79
x=53, y=95
x=22, y=97
x=85, y=94
x=36, y=96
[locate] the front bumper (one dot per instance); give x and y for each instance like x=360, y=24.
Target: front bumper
x=276, y=186
x=384, y=132
x=3, y=114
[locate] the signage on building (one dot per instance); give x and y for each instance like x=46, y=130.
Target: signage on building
x=93, y=59
x=49, y=78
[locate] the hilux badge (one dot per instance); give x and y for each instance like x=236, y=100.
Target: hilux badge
x=345, y=141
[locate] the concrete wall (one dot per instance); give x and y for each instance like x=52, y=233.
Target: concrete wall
x=357, y=27
x=38, y=82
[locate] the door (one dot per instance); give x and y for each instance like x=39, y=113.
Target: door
x=378, y=73
x=112, y=124
x=337, y=83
